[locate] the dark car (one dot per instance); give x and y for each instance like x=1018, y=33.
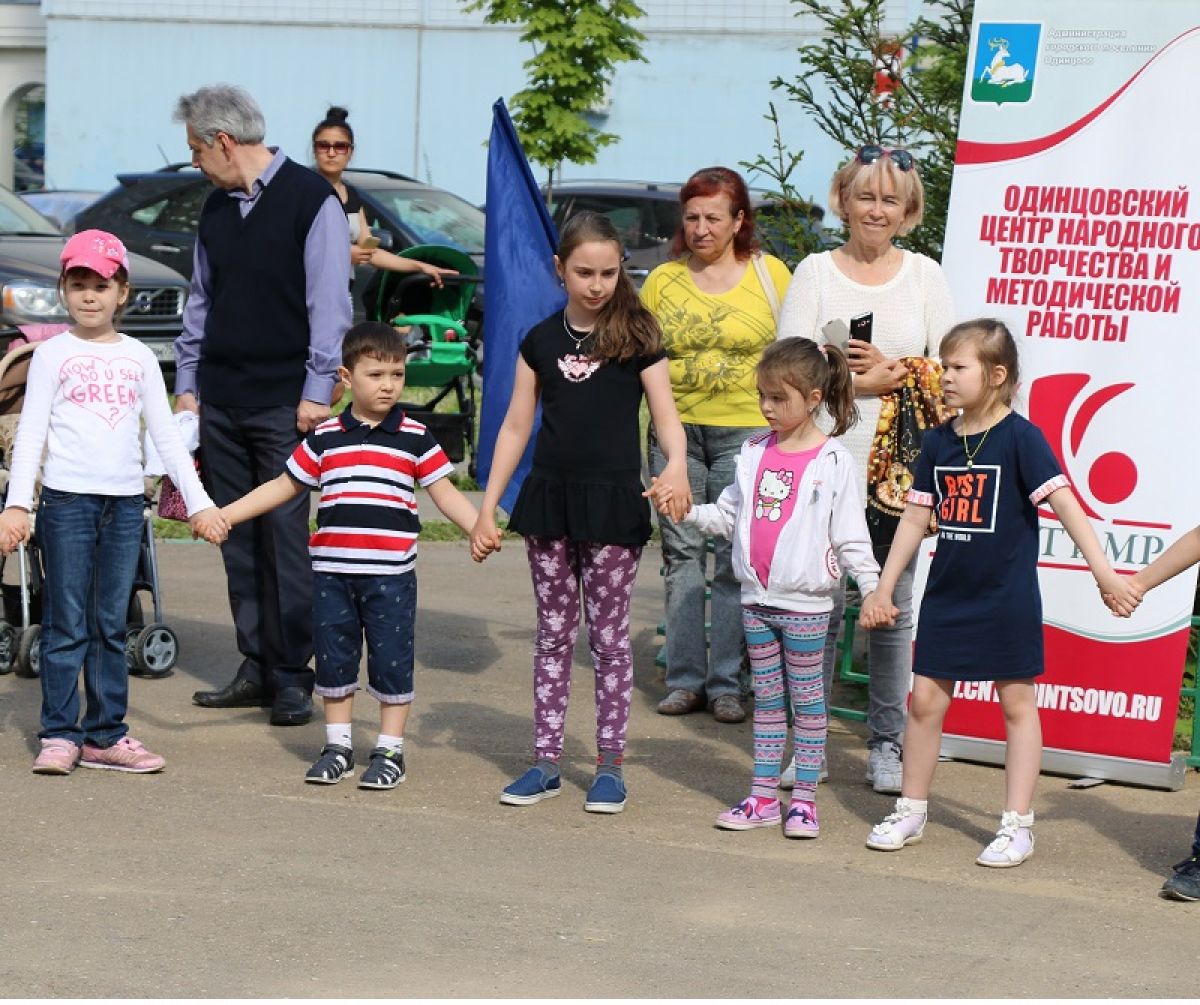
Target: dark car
x=647, y=215
x=157, y=214
x=29, y=269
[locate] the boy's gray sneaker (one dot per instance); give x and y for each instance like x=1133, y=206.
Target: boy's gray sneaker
x=1185, y=884
x=334, y=764
x=385, y=771
x=884, y=772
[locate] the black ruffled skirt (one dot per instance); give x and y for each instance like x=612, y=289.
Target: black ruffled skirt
x=583, y=508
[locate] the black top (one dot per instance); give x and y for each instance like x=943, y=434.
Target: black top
x=981, y=614
x=586, y=481
x=256, y=334
x=353, y=201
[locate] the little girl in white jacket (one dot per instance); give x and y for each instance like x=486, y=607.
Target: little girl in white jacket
x=795, y=513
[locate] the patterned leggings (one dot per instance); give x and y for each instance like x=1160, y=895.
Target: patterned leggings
x=777, y=639
x=607, y=572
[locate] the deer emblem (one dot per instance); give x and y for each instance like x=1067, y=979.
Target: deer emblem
x=999, y=71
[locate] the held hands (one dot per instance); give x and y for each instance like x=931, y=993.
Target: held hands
x=1121, y=594
x=485, y=537
x=14, y=529
x=210, y=524
x=877, y=610
x=671, y=494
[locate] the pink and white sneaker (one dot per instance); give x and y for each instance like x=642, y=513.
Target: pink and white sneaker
x=58, y=756
x=127, y=754
x=752, y=812
x=801, y=820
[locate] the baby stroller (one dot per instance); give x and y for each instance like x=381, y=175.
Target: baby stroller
x=443, y=353
x=151, y=650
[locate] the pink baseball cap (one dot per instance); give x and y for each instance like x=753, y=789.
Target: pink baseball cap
x=97, y=250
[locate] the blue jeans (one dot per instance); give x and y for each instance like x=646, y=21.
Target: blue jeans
x=889, y=661
x=385, y=609
x=717, y=670
x=90, y=546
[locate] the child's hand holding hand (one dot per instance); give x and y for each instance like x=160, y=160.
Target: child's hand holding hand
x=209, y=524
x=673, y=492
x=1121, y=594
x=877, y=610
x=14, y=528
x=485, y=537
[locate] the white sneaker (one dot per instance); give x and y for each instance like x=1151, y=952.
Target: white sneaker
x=884, y=772
x=787, y=780
x=904, y=825
x=1013, y=843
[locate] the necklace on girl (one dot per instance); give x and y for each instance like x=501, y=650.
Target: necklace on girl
x=577, y=339
x=972, y=454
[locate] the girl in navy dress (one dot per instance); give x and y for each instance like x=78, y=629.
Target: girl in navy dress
x=982, y=475
x=581, y=509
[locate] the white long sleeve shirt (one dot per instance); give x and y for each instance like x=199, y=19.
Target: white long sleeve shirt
x=84, y=405
x=913, y=310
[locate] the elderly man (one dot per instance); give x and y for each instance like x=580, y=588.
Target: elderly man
x=261, y=342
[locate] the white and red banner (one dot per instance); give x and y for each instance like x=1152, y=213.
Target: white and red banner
x=1073, y=220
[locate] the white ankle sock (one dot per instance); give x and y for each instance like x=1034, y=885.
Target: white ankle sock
x=338, y=733
x=917, y=805
x=395, y=743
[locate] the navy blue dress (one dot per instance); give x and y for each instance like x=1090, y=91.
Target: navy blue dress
x=981, y=615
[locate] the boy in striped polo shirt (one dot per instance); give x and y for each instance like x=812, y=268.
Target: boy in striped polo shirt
x=366, y=463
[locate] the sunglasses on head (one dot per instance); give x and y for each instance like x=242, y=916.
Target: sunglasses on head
x=337, y=147
x=873, y=152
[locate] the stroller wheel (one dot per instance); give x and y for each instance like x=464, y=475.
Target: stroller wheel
x=155, y=650
x=8, y=648
x=29, y=652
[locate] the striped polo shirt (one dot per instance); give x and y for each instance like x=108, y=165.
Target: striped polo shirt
x=367, y=520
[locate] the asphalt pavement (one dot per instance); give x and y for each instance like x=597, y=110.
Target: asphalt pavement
x=227, y=876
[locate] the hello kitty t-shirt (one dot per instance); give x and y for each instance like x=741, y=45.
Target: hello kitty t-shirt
x=84, y=405
x=775, y=488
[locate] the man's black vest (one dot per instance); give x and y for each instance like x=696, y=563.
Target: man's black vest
x=256, y=335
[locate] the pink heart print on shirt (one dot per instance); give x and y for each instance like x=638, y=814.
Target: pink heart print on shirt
x=577, y=368
x=106, y=388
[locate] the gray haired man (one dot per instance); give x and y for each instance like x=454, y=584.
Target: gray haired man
x=261, y=342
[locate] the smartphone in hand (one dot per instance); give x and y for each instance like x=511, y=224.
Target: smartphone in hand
x=836, y=333
x=860, y=326
x=371, y=242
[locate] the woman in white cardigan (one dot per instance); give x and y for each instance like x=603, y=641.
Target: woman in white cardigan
x=878, y=196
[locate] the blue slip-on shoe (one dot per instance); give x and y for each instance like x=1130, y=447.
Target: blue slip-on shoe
x=607, y=795
x=532, y=787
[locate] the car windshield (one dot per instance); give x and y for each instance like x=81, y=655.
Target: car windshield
x=434, y=217
x=16, y=217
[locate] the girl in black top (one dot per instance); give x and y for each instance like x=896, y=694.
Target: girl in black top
x=582, y=508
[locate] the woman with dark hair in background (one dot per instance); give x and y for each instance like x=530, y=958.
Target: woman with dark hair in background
x=717, y=303
x=333, y=145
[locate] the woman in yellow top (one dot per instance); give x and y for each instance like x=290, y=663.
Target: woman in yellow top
x=717, y=316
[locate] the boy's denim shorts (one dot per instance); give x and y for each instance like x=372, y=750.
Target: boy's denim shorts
x=384, y=609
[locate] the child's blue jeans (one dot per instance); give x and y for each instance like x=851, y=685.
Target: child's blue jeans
x=90, y=546
x=384, y=608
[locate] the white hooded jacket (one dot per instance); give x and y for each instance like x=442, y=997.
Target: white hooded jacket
x=827, y=531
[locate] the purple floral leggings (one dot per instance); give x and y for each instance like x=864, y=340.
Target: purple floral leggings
x=607, y=572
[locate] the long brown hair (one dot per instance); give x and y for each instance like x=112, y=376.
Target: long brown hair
x=624, y=327
x=806, y=366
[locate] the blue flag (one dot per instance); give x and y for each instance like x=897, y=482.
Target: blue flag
x=520, y=285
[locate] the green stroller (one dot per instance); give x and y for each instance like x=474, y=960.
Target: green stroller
x=443, y=352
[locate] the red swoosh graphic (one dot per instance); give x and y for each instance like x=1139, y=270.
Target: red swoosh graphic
x=971, y=152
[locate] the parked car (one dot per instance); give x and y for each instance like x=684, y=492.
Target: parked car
x=60, y=205
x=157, y=214
x=647, y=215
x=29, y=268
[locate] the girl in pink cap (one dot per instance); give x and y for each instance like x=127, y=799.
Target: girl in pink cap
x=87, y=392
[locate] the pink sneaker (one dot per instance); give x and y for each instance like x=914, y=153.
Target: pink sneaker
x=751, y=812
x=58, y=756
x=801, y=820
x=127, y=754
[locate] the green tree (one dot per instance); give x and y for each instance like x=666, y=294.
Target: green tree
x=836, y=87
x=577, y=44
